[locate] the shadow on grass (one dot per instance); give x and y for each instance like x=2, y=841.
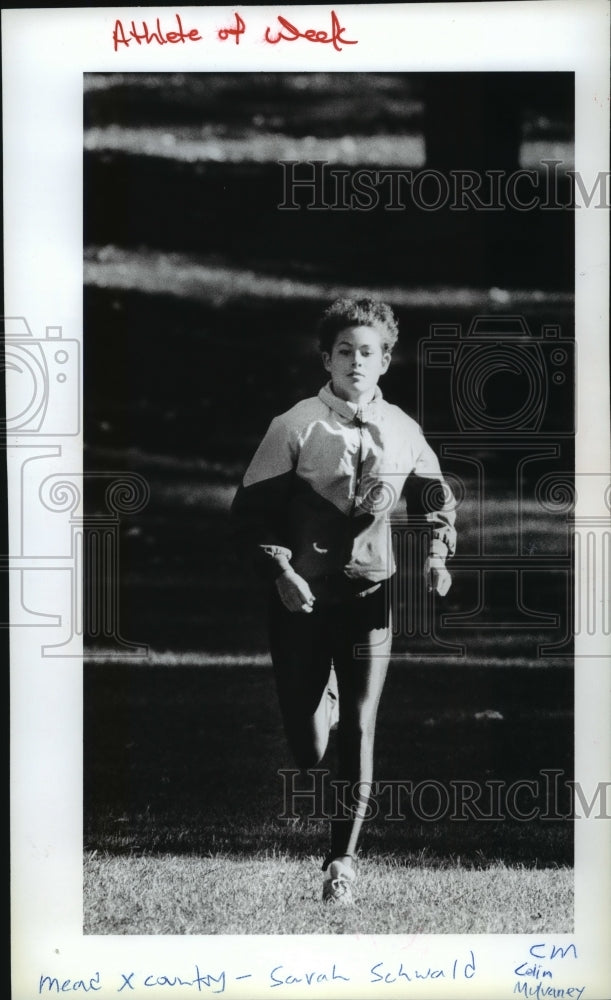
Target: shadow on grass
x=189, y=760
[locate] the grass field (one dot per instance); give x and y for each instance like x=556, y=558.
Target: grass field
x=187, y=831
x=281, y=895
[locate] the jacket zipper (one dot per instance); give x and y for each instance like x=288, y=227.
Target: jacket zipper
x=358, y=419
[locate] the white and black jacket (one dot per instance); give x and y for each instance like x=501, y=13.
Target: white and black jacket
x=320, y=489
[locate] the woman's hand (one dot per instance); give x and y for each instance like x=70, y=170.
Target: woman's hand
x=436, y=575
x=295, y=592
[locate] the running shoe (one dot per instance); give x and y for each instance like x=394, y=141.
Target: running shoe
x=337, y=886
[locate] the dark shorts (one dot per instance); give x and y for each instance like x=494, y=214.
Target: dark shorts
x=363, y=596
x=355, y=633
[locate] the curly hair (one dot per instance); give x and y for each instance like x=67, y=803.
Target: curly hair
x=357, y=312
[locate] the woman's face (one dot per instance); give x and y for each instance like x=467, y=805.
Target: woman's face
x=356, y=362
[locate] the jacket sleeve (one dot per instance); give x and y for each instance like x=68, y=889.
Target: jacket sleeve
x=428, y=495
x=260, y=507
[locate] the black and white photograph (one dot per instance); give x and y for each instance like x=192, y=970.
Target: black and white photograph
x=326, y=637
x=339, y=387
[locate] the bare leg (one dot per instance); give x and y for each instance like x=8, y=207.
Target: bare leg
x=303, y=647
x=361, y=681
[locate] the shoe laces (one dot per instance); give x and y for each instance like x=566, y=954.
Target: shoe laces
x=340, y=885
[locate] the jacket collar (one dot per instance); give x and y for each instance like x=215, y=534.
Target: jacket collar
x=348, y=410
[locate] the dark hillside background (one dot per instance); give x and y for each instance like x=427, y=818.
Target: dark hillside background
x=201, y=295
x=200, y=299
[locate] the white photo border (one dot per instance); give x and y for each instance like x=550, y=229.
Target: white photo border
x=45, y=54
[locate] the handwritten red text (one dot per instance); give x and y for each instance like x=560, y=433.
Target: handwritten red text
x=290, y=33
x=240, y=28
x=125, y=33
x=147, y=35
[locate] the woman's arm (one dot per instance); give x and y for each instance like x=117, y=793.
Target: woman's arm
x=259, y=514
x=428, y=494
x=259, y=508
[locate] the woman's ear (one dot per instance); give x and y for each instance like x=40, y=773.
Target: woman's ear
x=385, y=361
x=326, y=360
